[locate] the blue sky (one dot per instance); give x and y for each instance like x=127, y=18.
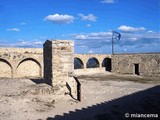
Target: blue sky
x=89, y=23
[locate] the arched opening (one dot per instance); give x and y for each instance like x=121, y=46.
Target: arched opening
x=92, y=63
x=107, y=64
x=5, y=69
x=78, y=64
x=29, y=68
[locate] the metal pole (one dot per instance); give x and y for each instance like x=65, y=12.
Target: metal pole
x=112, y=44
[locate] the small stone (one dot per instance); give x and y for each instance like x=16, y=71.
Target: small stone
x=53, y=102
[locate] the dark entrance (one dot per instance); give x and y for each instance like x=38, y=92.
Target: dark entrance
x=107, y=64
x=92, y=63
x=136, y=68
x=78, y=64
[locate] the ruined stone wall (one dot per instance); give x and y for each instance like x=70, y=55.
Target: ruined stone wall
x=59, y=66
x=85, y=57
x=58, y=61
x=28, y=63
x=148, y=64
x=21, y=62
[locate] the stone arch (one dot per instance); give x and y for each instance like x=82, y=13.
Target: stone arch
x=5, y=69
x=107, y=63
x=92, y=63
x=29, y=68
x=78, y=63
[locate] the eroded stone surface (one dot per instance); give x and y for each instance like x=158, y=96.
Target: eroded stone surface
x=28, y=62
x=148, y=64
x=21, y=62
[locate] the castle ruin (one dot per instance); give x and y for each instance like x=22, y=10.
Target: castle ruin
x=29, y=62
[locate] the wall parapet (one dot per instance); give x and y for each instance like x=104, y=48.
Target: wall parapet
x=20, y=62
x=147, y=64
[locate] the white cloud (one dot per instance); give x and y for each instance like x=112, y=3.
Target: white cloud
x=130, y=29
x=150, y=31
x=100, y=42
x=93, y=36
x=24, y=43
x=88, y=25
x=125, y=49
x=126, y=37
x=60, y=19
x=152, y=35
x=38, y=43
x=13, y=29
x=108, y=1
x=23, y=23
x=80, y=37
x=89, y=17
x=128, y=40
x=90, y=51
x=133, y=38
x=43, y=37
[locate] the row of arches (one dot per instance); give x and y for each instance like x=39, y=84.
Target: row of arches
x=92, y=63
x=28, y=67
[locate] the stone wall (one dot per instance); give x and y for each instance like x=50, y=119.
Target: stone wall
x=21, y=62
x=58, y=61
x=28, y=63
x=85, y=57
x=147, y=64
x=59, y=66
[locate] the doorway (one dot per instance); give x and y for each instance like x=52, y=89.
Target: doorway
x=107, y=64
x=136, y=69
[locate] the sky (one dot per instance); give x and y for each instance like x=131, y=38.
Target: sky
x=89, y=23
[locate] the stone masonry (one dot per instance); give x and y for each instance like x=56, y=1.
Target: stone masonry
x=58, y=62
x=28, y=63
x=146, y=64
x=21, y=62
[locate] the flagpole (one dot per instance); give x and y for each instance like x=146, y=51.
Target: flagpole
x=115, y=36
x=112, y=44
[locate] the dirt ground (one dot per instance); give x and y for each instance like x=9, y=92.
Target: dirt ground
x=104, y=96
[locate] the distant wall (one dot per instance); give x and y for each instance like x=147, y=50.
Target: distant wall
x=21, y=62
x=147, y=64
x=84, y=58
x=28, y=63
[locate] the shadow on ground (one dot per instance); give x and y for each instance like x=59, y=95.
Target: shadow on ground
x=38, y=80
x=143, y=102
